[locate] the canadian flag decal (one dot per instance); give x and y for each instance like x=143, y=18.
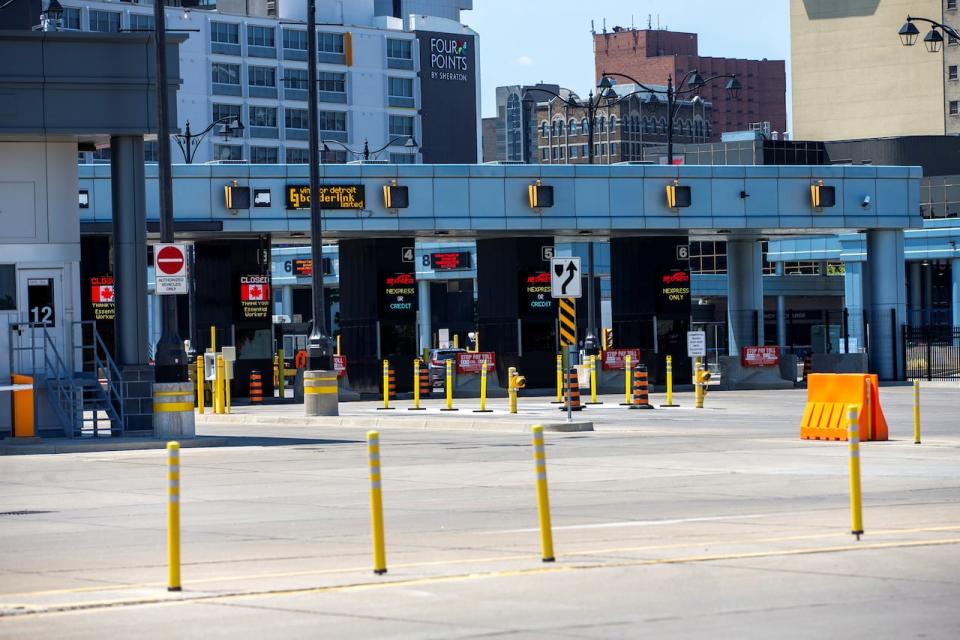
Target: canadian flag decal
x=102, y=293
x=254, y=292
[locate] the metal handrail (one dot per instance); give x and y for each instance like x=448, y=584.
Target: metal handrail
x=105, y=362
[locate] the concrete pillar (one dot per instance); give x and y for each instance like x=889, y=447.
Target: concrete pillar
x=129, y=248
x=744, y=294
x=886, y=302
x=854, y=303
x=425, y=328
x=781, y=313
x=286, y=301
x=916, y=294
x=955, y=291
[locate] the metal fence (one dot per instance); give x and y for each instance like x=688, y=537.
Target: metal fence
x=932, y=352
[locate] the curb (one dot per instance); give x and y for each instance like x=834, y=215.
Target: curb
x=396, y=422
x=119, y=444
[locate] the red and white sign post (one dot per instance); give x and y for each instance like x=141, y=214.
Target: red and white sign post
x=170, y=269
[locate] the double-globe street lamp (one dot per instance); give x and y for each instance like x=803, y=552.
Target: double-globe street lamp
x=189, y=141
x=366, y=153
x=933, y=41
x=607, y=98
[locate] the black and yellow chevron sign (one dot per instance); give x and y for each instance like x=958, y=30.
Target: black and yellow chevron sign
x=568, y=322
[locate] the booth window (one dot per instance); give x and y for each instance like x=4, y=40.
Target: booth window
x=8, y=287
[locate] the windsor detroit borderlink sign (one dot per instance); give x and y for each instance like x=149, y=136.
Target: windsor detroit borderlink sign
x=448, y=96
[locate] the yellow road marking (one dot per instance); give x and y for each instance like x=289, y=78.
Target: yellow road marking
x=466, y=561
x=187, y=598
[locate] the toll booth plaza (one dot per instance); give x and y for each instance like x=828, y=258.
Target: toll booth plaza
x=381, y=310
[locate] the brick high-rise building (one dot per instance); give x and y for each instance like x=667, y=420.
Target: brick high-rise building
x=651, y=55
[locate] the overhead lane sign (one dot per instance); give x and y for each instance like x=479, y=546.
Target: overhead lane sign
x=565, y=278
x=170, y=269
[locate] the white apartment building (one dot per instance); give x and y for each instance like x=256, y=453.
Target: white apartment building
x=247, y=59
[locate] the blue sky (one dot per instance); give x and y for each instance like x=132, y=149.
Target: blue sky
x=526, y=41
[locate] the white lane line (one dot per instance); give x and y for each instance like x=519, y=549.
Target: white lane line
x=643, y=523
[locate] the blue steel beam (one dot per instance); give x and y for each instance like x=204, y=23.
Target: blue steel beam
x=609, y=200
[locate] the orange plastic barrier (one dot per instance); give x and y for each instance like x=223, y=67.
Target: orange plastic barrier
x=829, y=395
x=23, y=418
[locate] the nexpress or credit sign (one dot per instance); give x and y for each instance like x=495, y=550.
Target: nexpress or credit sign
x=697, y=344
x=170, y=269
x=473, y=362
x=332, y=196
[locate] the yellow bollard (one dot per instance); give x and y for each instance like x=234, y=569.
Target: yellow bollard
x=416, y=386
x=669, y=383
x=281, y=375
x=627, y=373
x=698, y=384
x=227, y=377
x=456, y=341
x=483, y=390
x=916, y=412
x=338, y=346
x=173, y=515
x=448, y=386
x=219, y=395
x=592, y=363
x=376, y=504
x=512, y=389
x=386, y=387
x=559, y=399
x=856, y=503
x=200, y=377
x=543, y=495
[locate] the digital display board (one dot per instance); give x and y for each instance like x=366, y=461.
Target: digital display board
x=536, y=293
x=674, y=289
x=399, y=294
x=449, y=261
x=332, y=196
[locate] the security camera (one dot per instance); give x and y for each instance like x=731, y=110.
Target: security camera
x=866, y=202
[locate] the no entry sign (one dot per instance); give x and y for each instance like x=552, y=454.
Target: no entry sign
x=170, y=269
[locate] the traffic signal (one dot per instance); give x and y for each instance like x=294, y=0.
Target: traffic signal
x=822, y=196
x=235, y=197
x=395, y=197
x=678, y=197
x=541, y=196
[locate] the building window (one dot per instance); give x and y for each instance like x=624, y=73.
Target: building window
x=297, y=155
x=330, y=42
x=224, y=73
x=261, y=36
x=264, y=155
x=333, y=120
x=544, y=153
x=613, y=124
x=952, y=69
x=572, y=127
x=333, y=156
x=954, y=107
x=71, y=19
x=104, y=21
x=224, y=33
x=402, y=158
x=332, y=82
x=227, y=152
x=263, y=116
x=8, y=287
x=101, y=156
x=295, y=79
x=544, y=130
x=584, y=150
x=399, y=49
x=951, y=4
x=294, y=40
x=400, y=87
x=262, y=76
x=573, y=152
x=585, y=126
x=295, y=118
x=150, y=151
x=562, y=153
x=401, y=126
x=142, y=22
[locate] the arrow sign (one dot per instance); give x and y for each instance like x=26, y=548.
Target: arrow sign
x=565, y=278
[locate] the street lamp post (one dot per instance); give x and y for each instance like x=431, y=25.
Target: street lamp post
x=933, y=41
x=691, y=83
x=170, y=357
x=320, y=346
x=189, y=141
